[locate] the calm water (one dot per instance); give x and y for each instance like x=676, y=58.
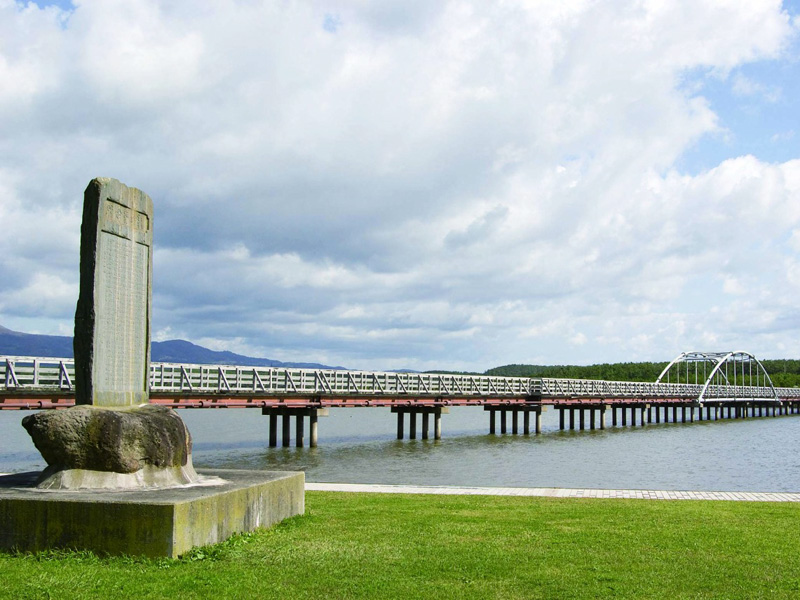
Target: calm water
x=358, y=446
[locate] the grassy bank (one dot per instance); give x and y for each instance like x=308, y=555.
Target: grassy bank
x=394, y=546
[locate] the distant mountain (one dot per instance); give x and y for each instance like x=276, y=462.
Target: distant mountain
x=181, y=351
x=15, y=343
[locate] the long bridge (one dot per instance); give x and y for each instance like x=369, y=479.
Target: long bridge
x=721, y=384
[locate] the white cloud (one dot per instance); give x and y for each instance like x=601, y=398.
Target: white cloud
x=783, y=136
x=744, y=86
x=405, y=184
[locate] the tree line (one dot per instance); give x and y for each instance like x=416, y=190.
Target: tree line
x=783, y=372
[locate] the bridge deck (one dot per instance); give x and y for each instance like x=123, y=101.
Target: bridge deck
x=34, y=383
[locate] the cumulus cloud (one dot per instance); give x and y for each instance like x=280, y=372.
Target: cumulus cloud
x=406, y=184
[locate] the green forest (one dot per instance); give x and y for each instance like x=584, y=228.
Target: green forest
x=783, y=372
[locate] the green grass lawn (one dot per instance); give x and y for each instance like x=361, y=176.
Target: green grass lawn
x=413, y=546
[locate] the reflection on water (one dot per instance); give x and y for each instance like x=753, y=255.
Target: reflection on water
x=358, y=446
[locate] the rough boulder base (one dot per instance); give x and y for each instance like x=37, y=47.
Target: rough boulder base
x=87, y=446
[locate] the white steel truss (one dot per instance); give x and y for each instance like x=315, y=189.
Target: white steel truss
x=725, y=375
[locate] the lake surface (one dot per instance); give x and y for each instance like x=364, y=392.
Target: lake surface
x=358, y=445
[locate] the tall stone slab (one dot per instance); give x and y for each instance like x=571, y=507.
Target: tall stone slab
x=112, y=319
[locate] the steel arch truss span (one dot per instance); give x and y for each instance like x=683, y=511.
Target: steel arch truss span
x=736, y=375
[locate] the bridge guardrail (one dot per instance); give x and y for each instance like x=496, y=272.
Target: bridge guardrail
x=167, y=377
x=59, y=374
x=591, y=388
x=38, y=374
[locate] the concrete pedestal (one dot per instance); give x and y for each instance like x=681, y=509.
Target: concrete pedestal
x=155, y=523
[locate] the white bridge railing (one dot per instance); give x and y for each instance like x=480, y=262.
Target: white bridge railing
x=42, y=375
x=589, y=388
x=166, y=377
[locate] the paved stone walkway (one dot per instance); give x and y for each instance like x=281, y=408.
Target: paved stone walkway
x=556, y=492
x=552, y=492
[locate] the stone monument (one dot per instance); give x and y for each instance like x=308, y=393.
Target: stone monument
x=120, y=478
x=112, y=320
x=112, y=438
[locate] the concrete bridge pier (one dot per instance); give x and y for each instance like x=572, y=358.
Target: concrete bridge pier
x=595, y=420
x=651, y=412
x=562, y=424
x=515, y=411
x=600, y=409
x=299, y=413
x=425, y=412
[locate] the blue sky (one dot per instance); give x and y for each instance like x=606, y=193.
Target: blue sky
x=417, y=185
x=756, y=104
x=65, y=5
x=757, y=109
